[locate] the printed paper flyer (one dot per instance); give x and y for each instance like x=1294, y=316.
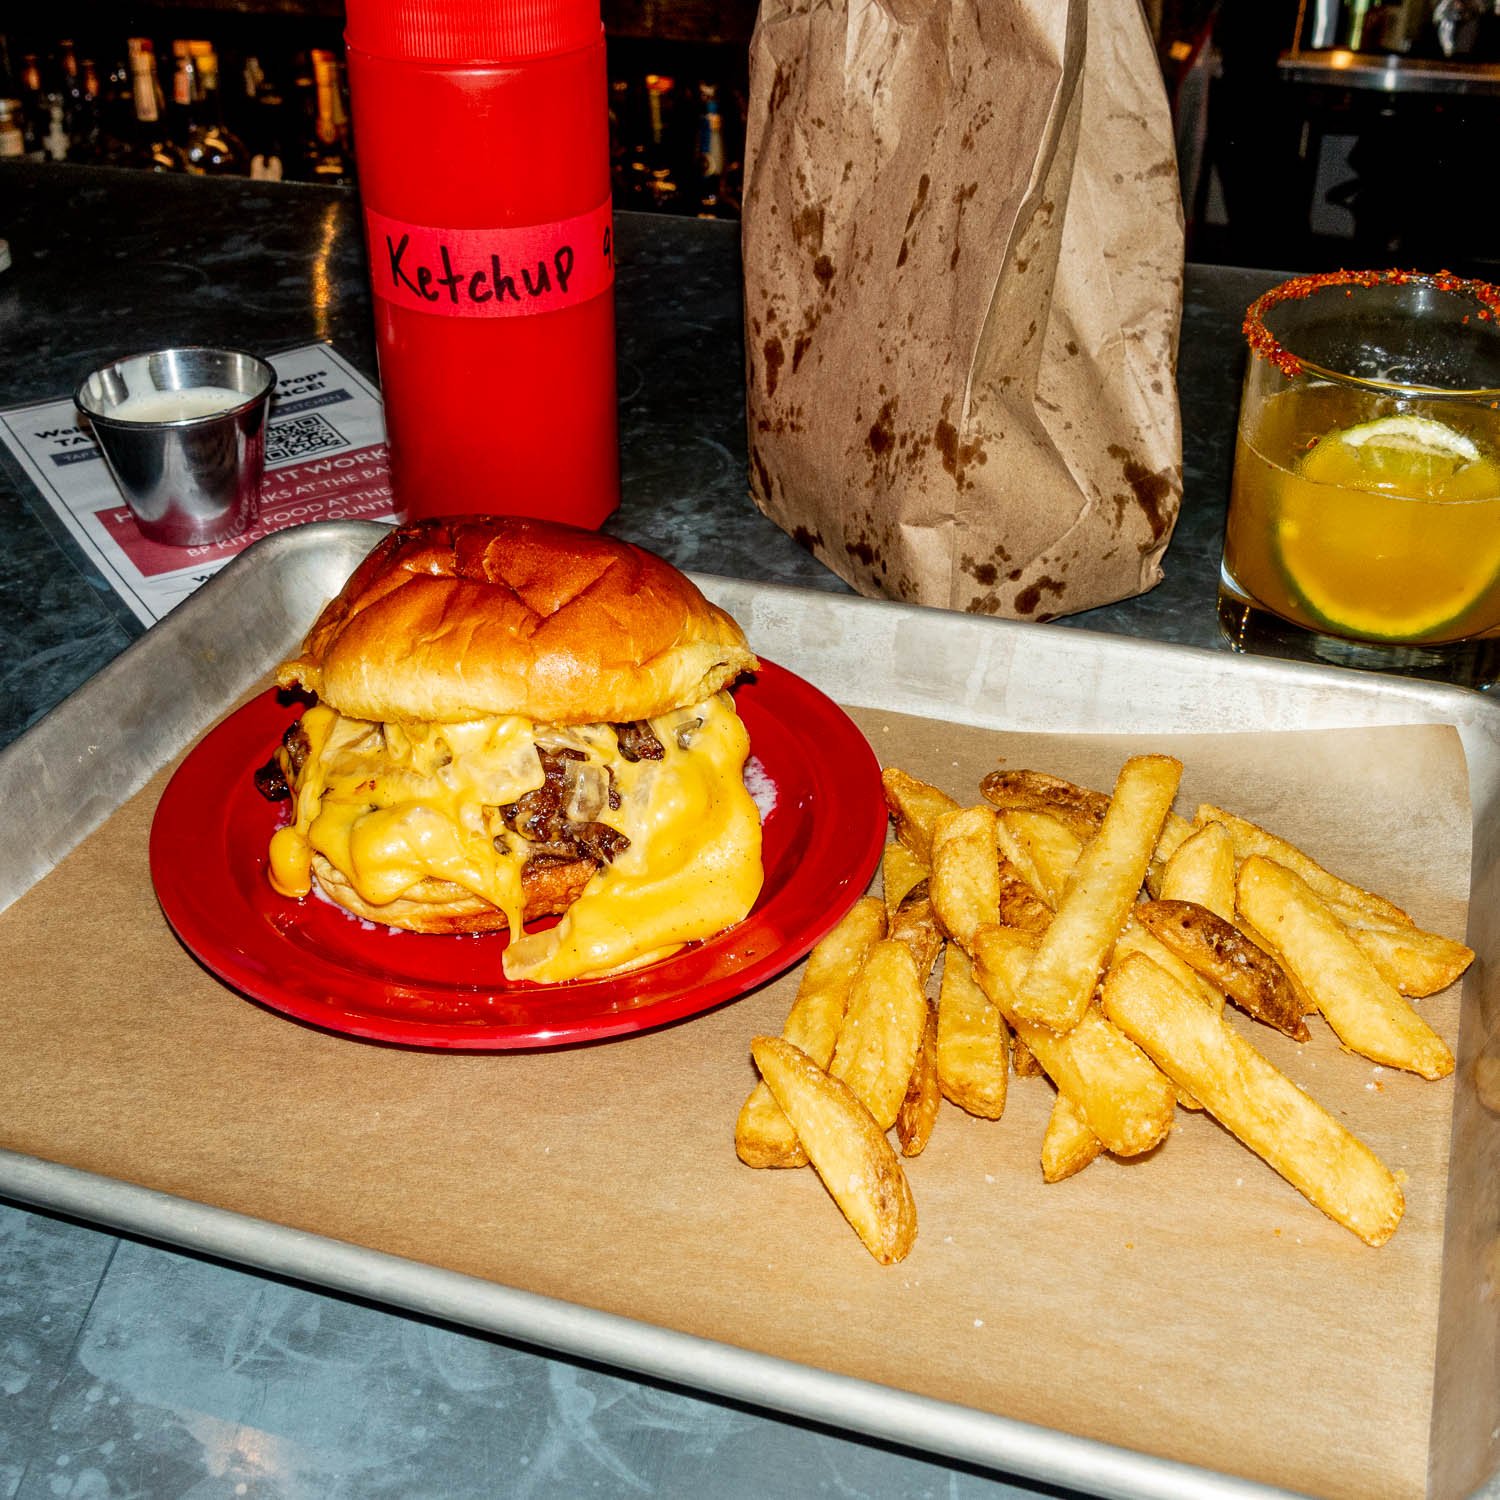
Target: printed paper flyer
x=325, y=461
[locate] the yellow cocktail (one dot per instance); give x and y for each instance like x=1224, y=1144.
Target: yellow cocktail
x=1365, y=505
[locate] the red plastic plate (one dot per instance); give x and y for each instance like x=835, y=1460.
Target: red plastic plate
x=311, y=960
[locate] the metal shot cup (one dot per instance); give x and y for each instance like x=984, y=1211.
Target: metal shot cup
x=189, y=479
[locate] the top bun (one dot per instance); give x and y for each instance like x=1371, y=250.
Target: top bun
x=472, y=616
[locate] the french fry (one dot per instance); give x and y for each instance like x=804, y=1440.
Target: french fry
x=972, y=1041
x=1022, y=1061
x=1015, y=854
x=1366, y=1011
x=1261, y=941
x=1044, y=850
x=877, y=1044
x=1243, y=1091
x=1127, y=1104
x=1079, y=809
x=965, y=883
x=1069, y=1145
x=904, y=881
x=1126, y=1100
x=1202, y=870
x=915, y=925
x=900, y=873
x=1220, y=952
x=1250, y=839
x=1135, y=938
x=914, y=807
x=1020, y=904
x=1175, y=831
x=1417, y=962
x=763, y=1137
x=847, y=1148
x=1106, y=881
x=919, y=1109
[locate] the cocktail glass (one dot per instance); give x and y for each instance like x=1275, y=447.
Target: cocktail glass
x=1364, y=515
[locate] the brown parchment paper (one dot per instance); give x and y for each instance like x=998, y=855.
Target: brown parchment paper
x=962, y=242
x=1190, y=1304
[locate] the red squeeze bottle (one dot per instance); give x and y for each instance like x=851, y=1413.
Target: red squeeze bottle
x=481, y=129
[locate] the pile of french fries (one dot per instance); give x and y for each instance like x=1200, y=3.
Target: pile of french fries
x=1095, y=939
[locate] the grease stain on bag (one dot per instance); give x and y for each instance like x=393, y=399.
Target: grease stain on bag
x=964, y=220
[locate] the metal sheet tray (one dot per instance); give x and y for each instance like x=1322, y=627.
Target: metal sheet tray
x=65, y=777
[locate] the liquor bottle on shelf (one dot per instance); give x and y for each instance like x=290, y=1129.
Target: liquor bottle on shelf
x=78, y=116
x=43, y=102
x=711, y=161
x=260, y=121
x=328, y=157
x=625, y=143
x=12, y=135
x=150, y=145
x=1356, y=12
x=211, y=148
x=85, y=102
x=55, y=141
x=180, y=93
x=36, y=114
x=664, y=176
x=117, y=123
x=12, y=109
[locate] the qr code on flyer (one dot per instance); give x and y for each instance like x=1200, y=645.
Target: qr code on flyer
x=299, y=436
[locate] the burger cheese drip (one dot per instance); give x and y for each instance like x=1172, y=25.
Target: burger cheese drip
x=661, y=809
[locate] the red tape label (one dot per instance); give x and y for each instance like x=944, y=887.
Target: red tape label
x=492, y=273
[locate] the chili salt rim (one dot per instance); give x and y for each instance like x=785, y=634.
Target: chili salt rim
x=1264, y=346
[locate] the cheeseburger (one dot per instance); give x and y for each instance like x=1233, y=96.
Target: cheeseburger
x=516, y=720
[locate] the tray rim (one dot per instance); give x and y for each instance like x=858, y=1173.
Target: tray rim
x=553, y=1325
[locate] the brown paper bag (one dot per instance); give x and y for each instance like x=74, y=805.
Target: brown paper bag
x=963, y=272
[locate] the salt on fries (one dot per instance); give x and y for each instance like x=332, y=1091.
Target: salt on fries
x=1094, y=939
x=1043, y=850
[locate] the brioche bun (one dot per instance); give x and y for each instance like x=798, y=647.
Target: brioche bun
x=452, y=620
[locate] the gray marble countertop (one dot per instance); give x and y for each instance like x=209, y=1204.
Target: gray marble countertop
x=131, y=1370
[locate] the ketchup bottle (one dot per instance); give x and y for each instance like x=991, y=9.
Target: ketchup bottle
x=482, y=134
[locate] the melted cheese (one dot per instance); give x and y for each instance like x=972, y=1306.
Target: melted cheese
x=391, y=805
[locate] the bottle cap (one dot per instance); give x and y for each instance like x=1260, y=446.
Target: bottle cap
x=471, y=31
